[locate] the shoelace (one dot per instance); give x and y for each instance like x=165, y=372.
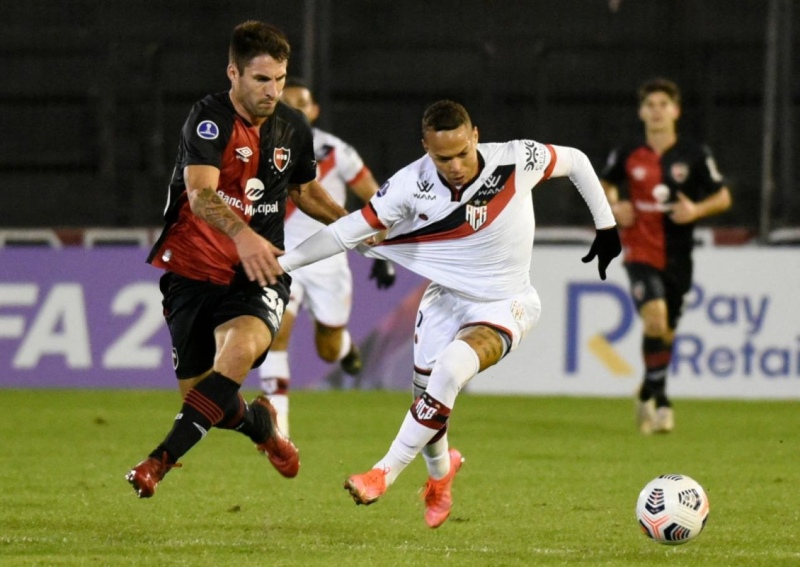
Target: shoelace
x=434, y=486
x=374, y=476
x=383, y=472
x=166, y=466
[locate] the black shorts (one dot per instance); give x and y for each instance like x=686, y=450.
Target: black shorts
x=671, y=285
x=194, y=309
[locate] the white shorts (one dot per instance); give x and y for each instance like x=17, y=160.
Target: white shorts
x=443, y=313
x=325, y=289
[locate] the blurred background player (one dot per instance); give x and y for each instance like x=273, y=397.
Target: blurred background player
x=667, y=185
x=324, y=288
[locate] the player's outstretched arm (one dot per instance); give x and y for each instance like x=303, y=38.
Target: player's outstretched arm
x=344, y=234
x=623, y=210
x=574, y=164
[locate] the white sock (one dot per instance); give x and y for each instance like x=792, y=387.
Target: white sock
x=347, y=344
x=437, y=458
x=409, y=441
x=276, y=365
x=456, y=365
x=281, y=404
x=436, y=455
x=274, y=368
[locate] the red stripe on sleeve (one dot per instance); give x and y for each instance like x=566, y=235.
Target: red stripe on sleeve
x=359, y=176
x=371, y=217
x=553, y=160
x=325, y=165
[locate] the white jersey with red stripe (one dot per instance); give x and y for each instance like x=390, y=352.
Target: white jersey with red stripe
x=338, y=165
x=477, y=239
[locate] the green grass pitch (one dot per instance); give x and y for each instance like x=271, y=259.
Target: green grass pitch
x=547, y=481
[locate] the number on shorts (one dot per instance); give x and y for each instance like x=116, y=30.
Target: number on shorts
x=273, y=301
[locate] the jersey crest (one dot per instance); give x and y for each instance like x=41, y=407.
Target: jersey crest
x=280, y=158
x=476, y=215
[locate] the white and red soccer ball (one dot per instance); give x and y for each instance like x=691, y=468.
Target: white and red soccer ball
x=672, y=509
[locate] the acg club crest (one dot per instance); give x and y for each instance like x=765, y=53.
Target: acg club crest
x=280, y=158
x=476, y=215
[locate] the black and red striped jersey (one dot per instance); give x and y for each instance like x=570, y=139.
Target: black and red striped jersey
x=256, y=166
x=651, y=182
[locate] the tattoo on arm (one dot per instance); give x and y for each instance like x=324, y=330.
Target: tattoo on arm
x=210, y=207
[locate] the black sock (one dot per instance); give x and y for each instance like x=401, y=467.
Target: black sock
x=251, y=420
x=204, y=406
x=657, y=355
x=654, y=389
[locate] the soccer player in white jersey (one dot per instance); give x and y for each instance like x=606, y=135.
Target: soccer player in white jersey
x=325, y=288
x=461, y=216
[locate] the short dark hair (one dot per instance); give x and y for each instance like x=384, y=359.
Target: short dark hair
x=297, y=83
x=253, y=38
x=444, y=115
x=660, y=85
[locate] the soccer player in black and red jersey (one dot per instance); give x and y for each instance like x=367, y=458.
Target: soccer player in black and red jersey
x=242, y=152
x=659, y=188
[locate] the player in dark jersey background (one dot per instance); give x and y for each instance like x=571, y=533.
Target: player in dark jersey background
x=659, y=188
x=241, y=154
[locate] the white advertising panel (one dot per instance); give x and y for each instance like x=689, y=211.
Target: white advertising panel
x=739, y=336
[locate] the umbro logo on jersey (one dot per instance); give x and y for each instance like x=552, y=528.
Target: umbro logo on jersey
x=244, y=154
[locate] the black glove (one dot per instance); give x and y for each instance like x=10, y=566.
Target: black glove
x=606, y=247
x=383, y=273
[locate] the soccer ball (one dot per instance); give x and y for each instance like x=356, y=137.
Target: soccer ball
x=672, y=509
